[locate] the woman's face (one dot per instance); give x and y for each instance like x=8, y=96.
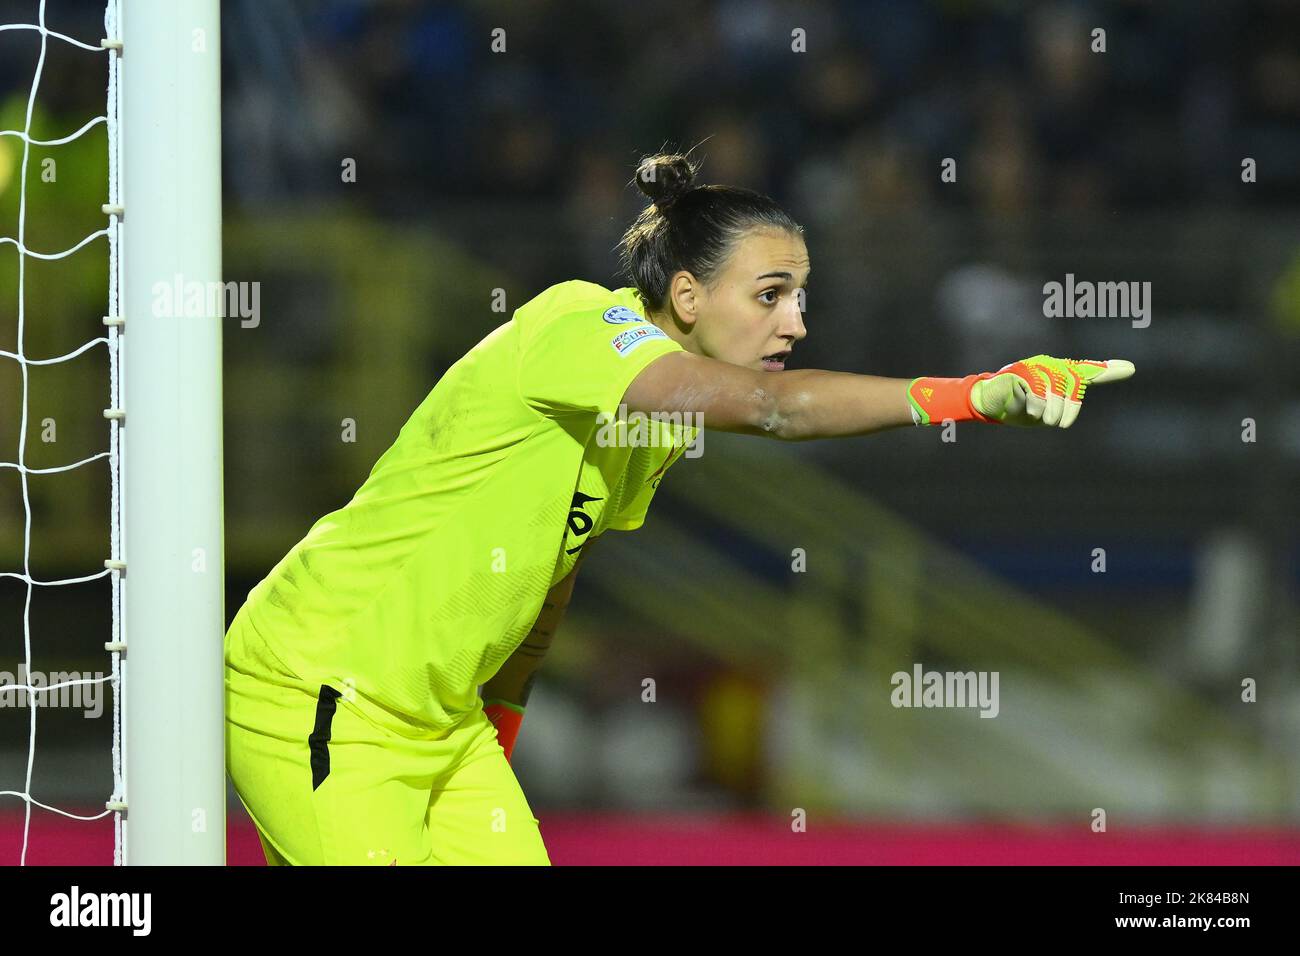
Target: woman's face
x=750, y=314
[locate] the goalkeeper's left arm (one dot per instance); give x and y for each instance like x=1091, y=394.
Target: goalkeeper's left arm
x=507, y=692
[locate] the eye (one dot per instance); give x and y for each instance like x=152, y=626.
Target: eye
x=775, y=294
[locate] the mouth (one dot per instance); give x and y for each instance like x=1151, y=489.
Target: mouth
x=776, y=361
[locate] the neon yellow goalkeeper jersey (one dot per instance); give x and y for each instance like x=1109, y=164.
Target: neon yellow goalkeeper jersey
x=418, y=589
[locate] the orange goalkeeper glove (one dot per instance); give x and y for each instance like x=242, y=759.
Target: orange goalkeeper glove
x=1040, y=390
x=506, y=718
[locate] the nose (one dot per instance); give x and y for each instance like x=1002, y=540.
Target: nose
x=792, y=326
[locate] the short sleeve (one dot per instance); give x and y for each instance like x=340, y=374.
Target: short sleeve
x=634, y=516
x=633, y=513
x=583, y=359
x=640, y=488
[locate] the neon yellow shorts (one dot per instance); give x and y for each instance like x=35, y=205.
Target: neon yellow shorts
x=325, y=785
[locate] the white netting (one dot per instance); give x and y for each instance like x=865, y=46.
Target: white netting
x=113, y=341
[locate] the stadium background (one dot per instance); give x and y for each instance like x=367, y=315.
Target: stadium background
x=478, y=171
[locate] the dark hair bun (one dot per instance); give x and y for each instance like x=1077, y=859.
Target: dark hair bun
x=664, y=178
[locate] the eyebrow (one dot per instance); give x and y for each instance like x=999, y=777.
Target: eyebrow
x=780, y=275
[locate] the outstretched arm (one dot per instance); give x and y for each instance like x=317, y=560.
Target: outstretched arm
x=793, y=405
x=804, y=404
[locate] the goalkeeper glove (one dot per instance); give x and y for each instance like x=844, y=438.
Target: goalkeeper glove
x=1040, y=390
x=506, y=718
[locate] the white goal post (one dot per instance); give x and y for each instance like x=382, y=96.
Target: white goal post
x=173, y=674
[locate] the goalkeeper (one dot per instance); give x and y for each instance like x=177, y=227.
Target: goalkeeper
x=356, y=730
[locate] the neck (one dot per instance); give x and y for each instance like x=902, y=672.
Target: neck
x=674, y=330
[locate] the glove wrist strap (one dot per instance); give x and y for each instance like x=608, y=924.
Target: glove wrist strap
x=936, y=400
x=506, y=717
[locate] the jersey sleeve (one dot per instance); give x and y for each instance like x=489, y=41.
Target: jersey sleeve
x=582, y=359
x=632, y=517
x=639, y=490
x=632, y=514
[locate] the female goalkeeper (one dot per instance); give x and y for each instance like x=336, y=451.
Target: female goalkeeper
x=356, y=731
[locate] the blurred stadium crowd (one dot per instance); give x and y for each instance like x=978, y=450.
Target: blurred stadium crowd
x=415, y=92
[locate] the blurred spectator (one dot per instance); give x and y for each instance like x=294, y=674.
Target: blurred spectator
x=432, y=106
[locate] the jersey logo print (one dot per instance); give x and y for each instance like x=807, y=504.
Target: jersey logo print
x=628, y=340
x=620, y=314
x=654, y=479
x=580, y=522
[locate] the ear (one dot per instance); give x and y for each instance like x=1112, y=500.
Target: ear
x=683, y=295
